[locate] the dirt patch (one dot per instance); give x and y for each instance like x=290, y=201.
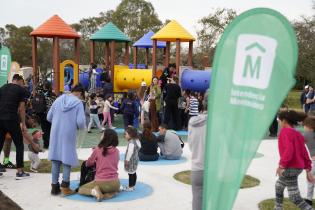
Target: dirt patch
x=7, y=203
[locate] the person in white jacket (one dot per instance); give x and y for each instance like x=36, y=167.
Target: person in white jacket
x=197, y=127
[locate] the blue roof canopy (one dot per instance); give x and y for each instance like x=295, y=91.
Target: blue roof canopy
x=146, y=42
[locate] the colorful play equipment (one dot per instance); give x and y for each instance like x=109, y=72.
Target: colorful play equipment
x=172, y=32
x=71, y=70
x=126, y=78
x=195, y=80
x=109, y=34
x=146, y=43
x=57, y=29
x=84, y=78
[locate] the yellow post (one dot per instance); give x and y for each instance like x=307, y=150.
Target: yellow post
x=62, y=73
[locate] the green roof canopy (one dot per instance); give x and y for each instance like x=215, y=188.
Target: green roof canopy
x=109, y=32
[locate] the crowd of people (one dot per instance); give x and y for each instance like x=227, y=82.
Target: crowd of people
x=157, y=110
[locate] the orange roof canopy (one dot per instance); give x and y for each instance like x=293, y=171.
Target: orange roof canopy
x=53, y=27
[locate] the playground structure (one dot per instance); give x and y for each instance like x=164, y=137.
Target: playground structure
x=123, y=77
x=172, y=32
x=146, y=43
x=110, y=34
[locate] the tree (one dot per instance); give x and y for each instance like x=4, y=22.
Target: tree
x=20, y=43
x=211, y=28
x=135, y=18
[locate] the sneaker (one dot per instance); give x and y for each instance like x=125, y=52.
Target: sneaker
x=9, y=165
x=2, y=169
x=112, y=127
x=1, y=175
x=89, y=131
x=33, y=170
x=127, y=188
x=22, y=175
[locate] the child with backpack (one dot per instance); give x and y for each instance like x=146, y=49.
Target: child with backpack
x=129, y=109
x=131, y=157
x=93, y=114
x=294, y=157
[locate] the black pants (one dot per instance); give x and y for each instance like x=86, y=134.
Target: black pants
x=101, y=117
x=273, y=129
x=132, y=179
x=128, y=119
x=171, y=112
x=46, y=126
x=13, y=128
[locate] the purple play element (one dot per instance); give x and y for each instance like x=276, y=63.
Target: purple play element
x=195, y=80
x=146, y=42
x=84, y=78
x=139, y=66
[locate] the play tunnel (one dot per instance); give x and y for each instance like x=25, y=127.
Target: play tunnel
x=126, y=78
x=195, y=80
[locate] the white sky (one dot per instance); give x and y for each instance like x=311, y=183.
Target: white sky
x=186, y=12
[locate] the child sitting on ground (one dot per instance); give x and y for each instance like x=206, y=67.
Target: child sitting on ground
x=34, y=149
x=131, y=157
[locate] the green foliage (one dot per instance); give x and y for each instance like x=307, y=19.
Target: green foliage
x=248, y=181
x=20, y=43
x=135, y=18
x=210, y=29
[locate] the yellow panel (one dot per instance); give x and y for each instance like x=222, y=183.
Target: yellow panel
x=172, y=31
x=62, y=73
x=126, y=79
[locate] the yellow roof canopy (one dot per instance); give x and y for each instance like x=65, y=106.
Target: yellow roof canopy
x=173, y=31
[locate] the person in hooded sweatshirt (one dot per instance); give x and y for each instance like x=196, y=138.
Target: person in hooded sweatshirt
x=66, y=115
x=196, y=140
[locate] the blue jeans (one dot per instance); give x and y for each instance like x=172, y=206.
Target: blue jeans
x=55, y=171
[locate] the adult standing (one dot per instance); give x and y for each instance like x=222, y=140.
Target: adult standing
x=303, y=97
x=12, y=102
x=196, y=139
x=172, y=93
x=155, y=104
x=66, y=115
x=310, y=100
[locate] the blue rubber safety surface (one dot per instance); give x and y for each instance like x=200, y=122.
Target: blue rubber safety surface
x=141, y=190
x=159, y=162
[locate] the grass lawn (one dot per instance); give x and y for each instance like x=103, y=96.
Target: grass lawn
x=248, y=181
x=293, y=100
x=45, y=166
x=287, y=205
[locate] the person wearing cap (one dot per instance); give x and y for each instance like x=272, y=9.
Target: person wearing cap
x=303, y=97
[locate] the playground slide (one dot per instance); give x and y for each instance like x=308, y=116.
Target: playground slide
x=195, y=80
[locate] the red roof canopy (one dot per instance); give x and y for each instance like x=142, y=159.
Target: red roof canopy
x=55, y=26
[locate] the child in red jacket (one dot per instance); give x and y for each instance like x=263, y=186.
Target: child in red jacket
x=294, y=157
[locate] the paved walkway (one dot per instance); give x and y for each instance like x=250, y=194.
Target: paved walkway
x=168, y=194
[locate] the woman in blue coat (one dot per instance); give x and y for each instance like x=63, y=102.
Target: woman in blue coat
x=66, y=115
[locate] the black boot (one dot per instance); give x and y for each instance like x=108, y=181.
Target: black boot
x=55, y=189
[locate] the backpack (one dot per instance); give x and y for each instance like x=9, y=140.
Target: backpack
x=39, y=103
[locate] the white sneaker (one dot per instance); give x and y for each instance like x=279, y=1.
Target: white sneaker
x=127, y=188
x=96, y=192
x=33, y=170
x=112, y=127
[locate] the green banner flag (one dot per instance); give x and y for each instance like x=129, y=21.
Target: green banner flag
x=253, y=71
x=5, y=64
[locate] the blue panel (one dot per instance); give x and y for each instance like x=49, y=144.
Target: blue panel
x=146, y=41
x=195, y=80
